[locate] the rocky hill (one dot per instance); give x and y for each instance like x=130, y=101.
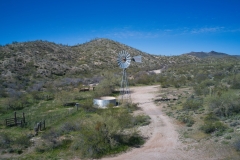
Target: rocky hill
x=45, y=59
x=30, y=64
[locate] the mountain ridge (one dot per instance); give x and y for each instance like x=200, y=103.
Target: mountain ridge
x=208, y=54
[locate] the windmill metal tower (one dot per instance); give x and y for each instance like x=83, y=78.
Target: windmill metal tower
x=124, y=60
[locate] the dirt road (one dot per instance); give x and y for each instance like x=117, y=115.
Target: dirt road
x=163, y=142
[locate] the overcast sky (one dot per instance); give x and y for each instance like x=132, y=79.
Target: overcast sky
x=162, y=27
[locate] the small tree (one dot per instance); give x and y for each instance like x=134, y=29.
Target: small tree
x=225, y=104
x=107, y=85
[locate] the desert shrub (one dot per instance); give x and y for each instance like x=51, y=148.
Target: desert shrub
x=36, y=95
x=224, y=105
x=165, y=85
x=234, y=124
x=18, y=103
x=88, y=106
x=23, y=141
x=51, y=135
x=5, y=140
x=141, y=120
x=45, y=146
x=228, y=137
x=235, y=81
x=42, y=147
x=130, y=107
x=210, y=127
x=188, y=120
x=51, y=140
x=94, y=141
x=237, y=145
x=144, y=78
x=3, y=109
x=106, y=133
x=135, y=140
x=212, y=124
x=200, y=77
x=165, y=80
x=192, y=104
x=3, y=93
x=69, y=127
x=107, y=85
x=176, y=82
x=211, y=117
x=202, y=88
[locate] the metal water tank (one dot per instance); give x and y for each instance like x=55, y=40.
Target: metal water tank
x=103, y=102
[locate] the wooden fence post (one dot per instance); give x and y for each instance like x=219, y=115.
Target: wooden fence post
x=15, y=118
x=40, y=123
x=44, y=124
x=38, y=126
x=23, y=116
x=77, y=105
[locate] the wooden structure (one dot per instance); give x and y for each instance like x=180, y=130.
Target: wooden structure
x=39, y=127
x=87, y=88
x=16, y=120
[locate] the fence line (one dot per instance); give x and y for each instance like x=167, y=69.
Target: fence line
x=49, y=118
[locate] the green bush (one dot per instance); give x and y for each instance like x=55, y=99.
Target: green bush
x=69, y=127
x=235, y=83
x=106, y=134
x=210, y=127
x=188, y=120
x=107, y=85
x=210, y=117
x=192, y=104
x=144, y=78
x=23, y=141
x=5, y=140
x=203, y=87
x=141, y=120
x=237, y=145
x=224, y=105
x=228, y=137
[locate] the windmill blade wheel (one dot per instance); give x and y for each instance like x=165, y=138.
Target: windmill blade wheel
x=124, y=59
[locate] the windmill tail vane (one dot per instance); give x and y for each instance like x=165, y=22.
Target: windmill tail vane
x=137, y=59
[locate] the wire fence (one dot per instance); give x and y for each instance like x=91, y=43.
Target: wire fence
x=50, y=117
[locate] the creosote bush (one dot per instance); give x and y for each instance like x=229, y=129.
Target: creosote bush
x=141, y=120
x=237, y=145
x=225, y=105
x=188, y=120
x=5, y=140
x=192, y=104
x=212, y=124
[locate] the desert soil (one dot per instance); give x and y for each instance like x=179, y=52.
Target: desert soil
x=163, y=141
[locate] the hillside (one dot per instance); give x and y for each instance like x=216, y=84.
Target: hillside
x=29, y=65
x=46, y=59
x=208, y=54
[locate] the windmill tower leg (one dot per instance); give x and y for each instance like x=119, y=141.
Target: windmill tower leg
x=125, y=95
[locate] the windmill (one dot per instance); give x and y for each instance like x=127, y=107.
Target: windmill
x=124, y=60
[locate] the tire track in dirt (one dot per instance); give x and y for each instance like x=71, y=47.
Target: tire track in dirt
x=163, y=142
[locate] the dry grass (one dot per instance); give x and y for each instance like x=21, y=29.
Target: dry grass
x=213, y=145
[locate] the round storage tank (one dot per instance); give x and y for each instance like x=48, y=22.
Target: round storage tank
x=103, y=102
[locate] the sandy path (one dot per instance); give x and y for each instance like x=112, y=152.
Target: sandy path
x=163, y=142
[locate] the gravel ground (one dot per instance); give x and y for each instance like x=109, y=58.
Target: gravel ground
x=163, y=139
